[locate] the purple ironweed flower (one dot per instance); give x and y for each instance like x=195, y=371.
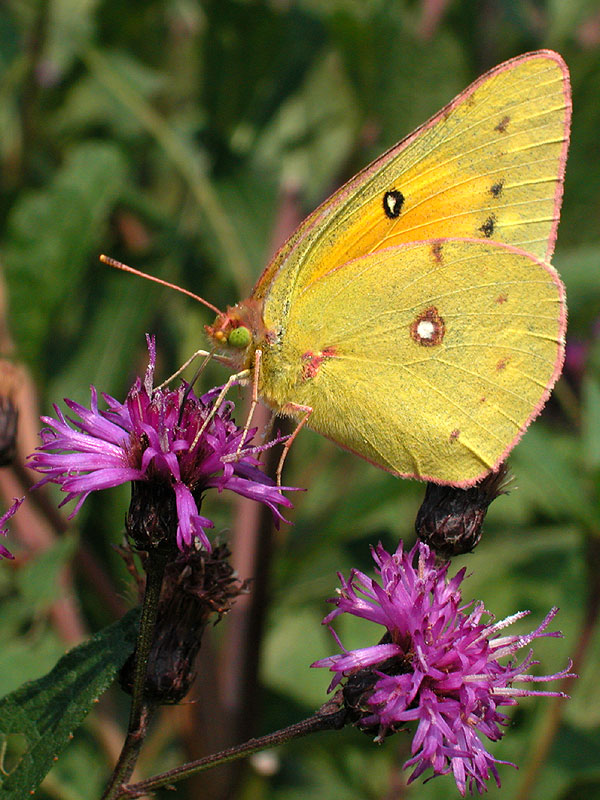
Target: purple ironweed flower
x=438, y=664
x=4, y=553
x=151, y=438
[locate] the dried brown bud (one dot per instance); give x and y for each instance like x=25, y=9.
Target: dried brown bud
x=450, y=520
x=10, y=380
x=198, y=587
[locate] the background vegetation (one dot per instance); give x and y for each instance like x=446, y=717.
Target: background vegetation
x=187, y=138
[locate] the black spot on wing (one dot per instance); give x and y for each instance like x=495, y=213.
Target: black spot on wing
x=503, y=124
x=488, y=226
x=496, y=189
x=392, y=203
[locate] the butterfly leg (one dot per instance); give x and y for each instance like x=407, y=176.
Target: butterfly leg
x=186, y=364
x=254, y=400
x=293, y=408
x=239, y=376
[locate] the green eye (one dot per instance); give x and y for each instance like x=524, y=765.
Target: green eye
x=239, y=337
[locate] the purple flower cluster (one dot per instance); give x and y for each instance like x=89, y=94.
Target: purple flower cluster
x=153, y=437
x=438, y=665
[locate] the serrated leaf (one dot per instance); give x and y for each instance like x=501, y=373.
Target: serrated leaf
x=43, y=714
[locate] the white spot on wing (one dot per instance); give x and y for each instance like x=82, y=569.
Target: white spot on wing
x=425, y=329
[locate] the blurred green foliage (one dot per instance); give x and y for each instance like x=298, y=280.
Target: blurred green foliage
x=169, y=134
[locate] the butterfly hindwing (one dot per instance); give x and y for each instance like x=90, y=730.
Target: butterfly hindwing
x=440, y=380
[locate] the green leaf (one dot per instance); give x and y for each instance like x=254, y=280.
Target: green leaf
x=313, y=134
x=114, y=342
x=579, y=270
x=51, y=234
x=70, y=26
x=26, y=658
x=88, y=104
x=38, y=579
x=40, y=716
x=546, y=469
x=289, y=652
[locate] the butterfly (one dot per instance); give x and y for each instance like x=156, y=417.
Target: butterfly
x=413, y=317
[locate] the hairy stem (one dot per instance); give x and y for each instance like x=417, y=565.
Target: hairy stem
x=329, y=717
x=141, y=710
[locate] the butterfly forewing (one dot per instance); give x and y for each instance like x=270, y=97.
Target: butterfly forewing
x=490, y=165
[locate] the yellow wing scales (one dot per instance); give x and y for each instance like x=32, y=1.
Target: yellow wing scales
x=446, y=377
x=489, y=165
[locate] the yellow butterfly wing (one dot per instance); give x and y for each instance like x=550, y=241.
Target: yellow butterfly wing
x=451, y=224
x=489, y=165
x=440, y=379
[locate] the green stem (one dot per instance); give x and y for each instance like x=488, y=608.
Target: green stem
x=141, y=710
x=329, y=717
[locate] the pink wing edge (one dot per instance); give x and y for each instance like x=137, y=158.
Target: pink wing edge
x=558, y=365
x=315, y=217
x=562, y=164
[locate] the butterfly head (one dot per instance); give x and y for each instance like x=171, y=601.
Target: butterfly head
x=237, y=332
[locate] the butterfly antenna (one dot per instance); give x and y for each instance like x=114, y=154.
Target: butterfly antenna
x=112, y=262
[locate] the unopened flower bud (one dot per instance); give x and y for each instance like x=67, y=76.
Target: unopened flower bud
x=450, y=520
x=151, y=520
